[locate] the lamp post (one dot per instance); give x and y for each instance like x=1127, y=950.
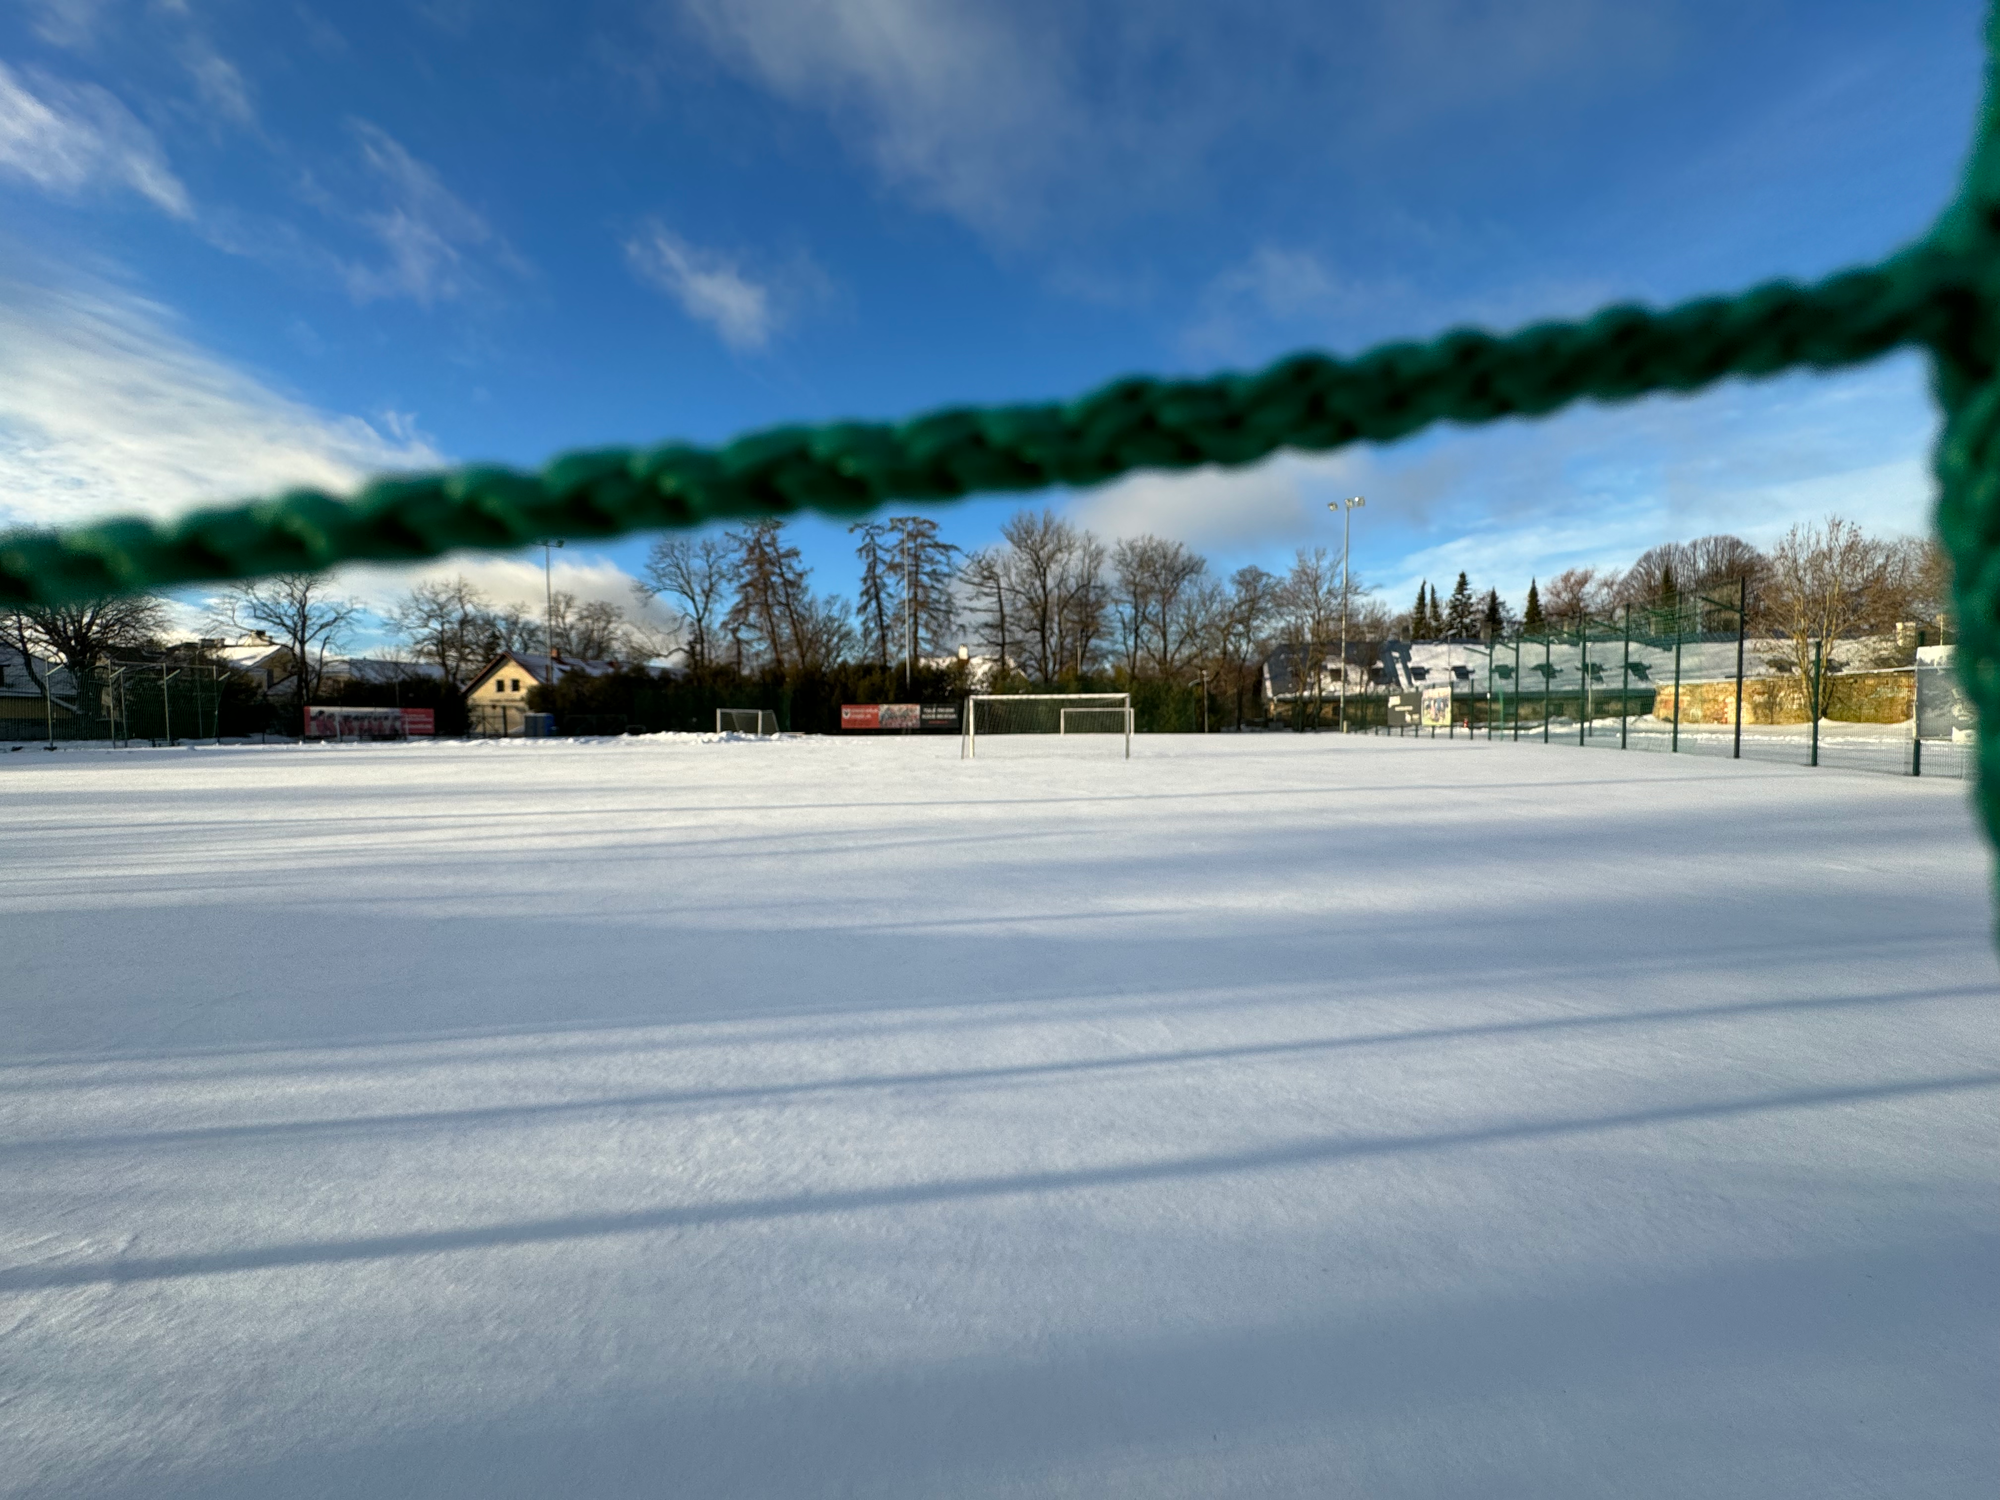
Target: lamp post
x=549, y=608
x=1347, y=508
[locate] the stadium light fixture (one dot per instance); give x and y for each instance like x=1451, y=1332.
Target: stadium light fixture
x=1347, y=508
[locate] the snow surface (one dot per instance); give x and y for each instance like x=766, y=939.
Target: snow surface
x=1264, y=1116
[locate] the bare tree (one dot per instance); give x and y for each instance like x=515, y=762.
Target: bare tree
x=1576, y=592
x=1242, y=629
x=768, y=612
x=928, y=607
x=989, y=590
x=82, y=634
x=1309, y=616
x=1054, y=575
x=826, y=634
x=695, y=573
x=1156, y=606
x=512, y=628
x=594, y=630
x=300, y=610
x=446, y=623
x=1917, y=585
x=1708, y=565
x=1826, y=581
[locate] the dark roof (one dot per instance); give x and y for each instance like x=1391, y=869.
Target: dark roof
x=536, y=664
x=380, y=669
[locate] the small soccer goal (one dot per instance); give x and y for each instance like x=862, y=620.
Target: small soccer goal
x=758, y=721
x=1059, y=714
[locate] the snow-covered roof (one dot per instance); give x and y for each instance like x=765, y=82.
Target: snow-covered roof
x=20, y=676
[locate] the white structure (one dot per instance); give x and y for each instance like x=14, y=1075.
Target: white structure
x=1045, y=713
x=758, y=721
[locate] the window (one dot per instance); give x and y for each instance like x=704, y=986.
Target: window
x=517, y=685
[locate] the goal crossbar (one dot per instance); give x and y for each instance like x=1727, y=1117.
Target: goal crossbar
x=1084, y=705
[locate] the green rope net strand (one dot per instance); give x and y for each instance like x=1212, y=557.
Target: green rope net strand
x=1308, y=402
x=1966, y=374
x=1942, y=294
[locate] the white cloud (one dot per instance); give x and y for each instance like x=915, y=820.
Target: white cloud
x=954, y=99
x=507, y=580
x=66, y=137
x=1592, y=486
x=745, y=307
x=1004, y=113
x=430, y=234
x=68, y=23
x=1268, y=504
x=219, y=83
x=106, y=407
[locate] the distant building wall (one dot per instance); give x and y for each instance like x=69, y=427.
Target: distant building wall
x=1851, y=698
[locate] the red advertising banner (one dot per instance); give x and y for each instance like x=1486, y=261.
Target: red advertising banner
x=369, y=723
x=881, y=716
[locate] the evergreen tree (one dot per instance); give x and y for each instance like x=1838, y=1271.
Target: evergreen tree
x=1531, y=619
x=1669, y=590
x=1492, y=617
x=1461, y=616
x=1420, y=613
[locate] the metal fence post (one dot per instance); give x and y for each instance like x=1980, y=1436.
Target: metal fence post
x=1674, y=742
x=1742, y=630
x=1916, y=722
x=1814, y=707
x=1548, y=678
x=1625, y=685
x=1582, y=680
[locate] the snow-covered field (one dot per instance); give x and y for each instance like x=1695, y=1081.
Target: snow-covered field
x=1281, y=1115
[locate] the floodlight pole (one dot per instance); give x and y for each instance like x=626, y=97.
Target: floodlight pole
x=548, y=616
x=1347, y=508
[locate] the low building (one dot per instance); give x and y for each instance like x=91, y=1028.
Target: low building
x=26, y=704
x=496, y=702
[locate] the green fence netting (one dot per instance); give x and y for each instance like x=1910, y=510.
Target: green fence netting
x=1942, y=294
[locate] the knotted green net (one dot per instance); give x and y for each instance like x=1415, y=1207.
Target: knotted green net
x=1942, y=294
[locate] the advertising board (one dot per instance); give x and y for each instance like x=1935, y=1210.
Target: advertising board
x=1437, y=704
x=881, y=716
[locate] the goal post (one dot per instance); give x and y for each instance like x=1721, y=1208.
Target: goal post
x=1059, y=714
x=760, y=722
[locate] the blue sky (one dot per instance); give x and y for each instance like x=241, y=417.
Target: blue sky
x=245, y=243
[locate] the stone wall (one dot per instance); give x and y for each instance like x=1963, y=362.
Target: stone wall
x=1851, y=697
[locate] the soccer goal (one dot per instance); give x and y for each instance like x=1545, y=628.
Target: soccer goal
x=758, y=721
x=1061, y=714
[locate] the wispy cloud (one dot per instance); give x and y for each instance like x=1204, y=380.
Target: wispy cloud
x=434, y=241
x=1007, y=113
x=106, y=406
x=65, y=138
x=218, y=82
x=1592, y=486
x=745, y=307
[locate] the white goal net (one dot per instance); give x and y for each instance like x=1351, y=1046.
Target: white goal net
x=758, y=721
x=1059, y=714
